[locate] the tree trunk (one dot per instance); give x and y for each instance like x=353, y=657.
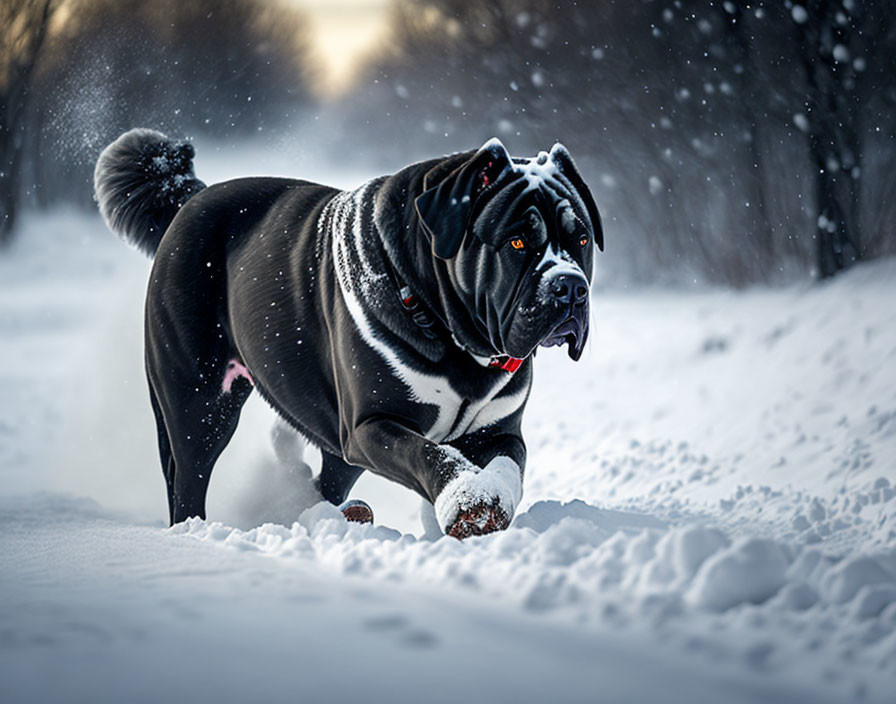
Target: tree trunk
x=10, y=165
x=833, y=138
x=741, y=45
x=33, y=21
x=835, y=249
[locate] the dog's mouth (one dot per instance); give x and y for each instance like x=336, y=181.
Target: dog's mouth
x=572, y=332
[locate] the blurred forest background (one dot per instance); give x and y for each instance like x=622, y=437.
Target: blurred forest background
x=725, y=142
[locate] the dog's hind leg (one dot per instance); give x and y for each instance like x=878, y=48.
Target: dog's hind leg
x=165, y=455
x=337, y=477
x=197, y=386
x=196, y=420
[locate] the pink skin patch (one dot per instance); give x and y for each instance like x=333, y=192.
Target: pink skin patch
x=235, y=370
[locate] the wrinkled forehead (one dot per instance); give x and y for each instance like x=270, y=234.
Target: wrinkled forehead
x=535, y=182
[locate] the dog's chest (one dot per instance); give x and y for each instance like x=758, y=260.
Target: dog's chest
x=456, y=412
x=457, y=415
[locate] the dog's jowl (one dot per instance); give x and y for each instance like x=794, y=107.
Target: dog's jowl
x=393, y=325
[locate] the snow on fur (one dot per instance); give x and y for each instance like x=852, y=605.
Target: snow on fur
x=141, y=180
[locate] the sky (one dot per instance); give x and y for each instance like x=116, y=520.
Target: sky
x=342, y=32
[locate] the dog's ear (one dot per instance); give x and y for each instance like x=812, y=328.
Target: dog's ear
x=445, y=209
x=561, y=157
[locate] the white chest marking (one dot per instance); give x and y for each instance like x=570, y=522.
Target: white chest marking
x=491, y=411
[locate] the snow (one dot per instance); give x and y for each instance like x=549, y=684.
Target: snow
x=799, y=14
x=709, y=509
x=751, y=571
x=841, y=53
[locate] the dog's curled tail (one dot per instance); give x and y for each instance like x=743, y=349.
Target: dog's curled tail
x=141, y=180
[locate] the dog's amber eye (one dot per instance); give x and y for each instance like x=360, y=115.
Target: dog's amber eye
x=517, y=243
x=583, y=241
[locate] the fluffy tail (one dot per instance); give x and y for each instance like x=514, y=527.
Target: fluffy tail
x=141, y=180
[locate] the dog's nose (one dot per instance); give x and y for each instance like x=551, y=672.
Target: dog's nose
x=570, y=289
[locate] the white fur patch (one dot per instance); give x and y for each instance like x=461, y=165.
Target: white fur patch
x=561, y=261
x=494, y=410
x=500, y=479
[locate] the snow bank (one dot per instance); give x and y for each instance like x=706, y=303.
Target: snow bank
x=752, y=571
x=584, y=565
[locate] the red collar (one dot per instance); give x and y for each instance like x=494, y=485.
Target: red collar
x=505, y=362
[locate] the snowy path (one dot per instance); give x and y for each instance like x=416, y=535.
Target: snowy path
x=733, y=458
x=104, y=611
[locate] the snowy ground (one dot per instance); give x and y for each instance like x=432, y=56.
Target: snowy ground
x=709, y=516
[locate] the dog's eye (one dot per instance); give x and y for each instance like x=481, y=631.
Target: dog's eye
x=518, y=243
x=583, y=241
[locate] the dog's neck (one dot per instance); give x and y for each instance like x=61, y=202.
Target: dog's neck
x=409, y=251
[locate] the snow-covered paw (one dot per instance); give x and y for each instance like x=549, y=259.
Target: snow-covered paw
x=479, y=520
x=479, y=501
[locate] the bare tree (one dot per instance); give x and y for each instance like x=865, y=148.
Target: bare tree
x=687, y=115
x=210, y=68
x=24, y=25
x=843, y=44
x=646, y=95
x=739, y=52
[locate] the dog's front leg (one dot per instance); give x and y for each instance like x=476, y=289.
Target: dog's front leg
x=474, y=485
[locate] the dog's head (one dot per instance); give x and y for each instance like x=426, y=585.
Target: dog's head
x=518, y=238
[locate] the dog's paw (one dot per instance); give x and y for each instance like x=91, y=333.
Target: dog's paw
x=357, y=511
x=479, y=501
x=479, y=520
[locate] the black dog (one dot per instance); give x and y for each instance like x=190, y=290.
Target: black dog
x=392, y=325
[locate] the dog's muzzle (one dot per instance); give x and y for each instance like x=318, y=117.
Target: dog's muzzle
x=571, y=292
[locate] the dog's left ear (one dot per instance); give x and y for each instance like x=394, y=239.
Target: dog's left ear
x=445, y=209
x=561, y=157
